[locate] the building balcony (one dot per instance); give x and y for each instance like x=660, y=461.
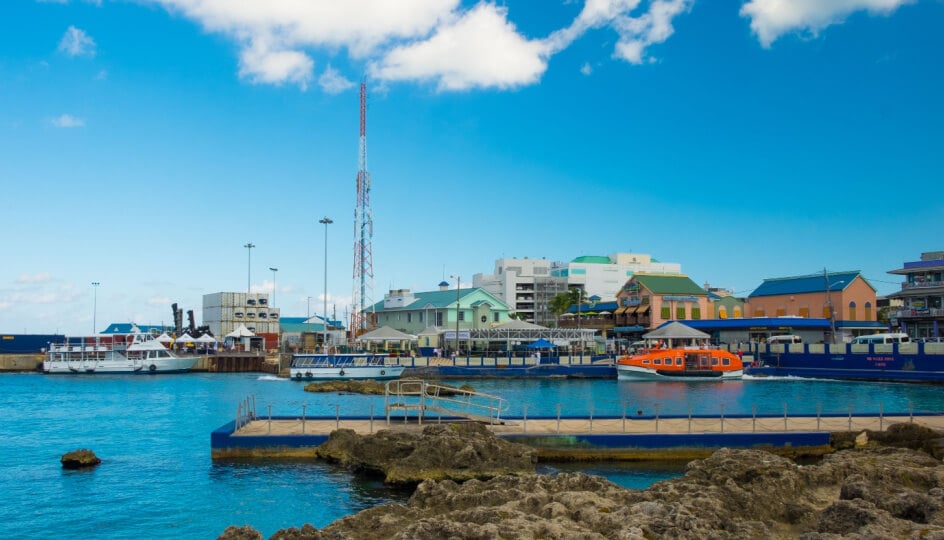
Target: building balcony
x=932, y=313
x=923, y=285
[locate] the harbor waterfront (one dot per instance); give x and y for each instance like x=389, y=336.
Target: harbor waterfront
x=157, y=478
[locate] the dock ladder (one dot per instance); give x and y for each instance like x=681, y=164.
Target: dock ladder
x=423, y=398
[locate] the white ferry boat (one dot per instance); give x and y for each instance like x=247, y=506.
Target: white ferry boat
x=118, y=353
x=343, y=367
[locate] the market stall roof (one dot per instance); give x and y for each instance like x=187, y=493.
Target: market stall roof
x=385, y=333
x=205, y=338
x=185, y=338
x=164, y=338
x=675, y=330
x=240, y=332
x=541, y=344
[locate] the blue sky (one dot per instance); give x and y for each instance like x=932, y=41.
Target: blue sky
x=145, y=142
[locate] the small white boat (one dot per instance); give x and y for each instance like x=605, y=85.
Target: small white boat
x=114, y=353
x=343, y=367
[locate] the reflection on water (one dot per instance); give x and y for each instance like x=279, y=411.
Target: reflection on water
x=630, y=475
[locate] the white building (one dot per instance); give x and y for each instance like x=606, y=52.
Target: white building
x=527, y=285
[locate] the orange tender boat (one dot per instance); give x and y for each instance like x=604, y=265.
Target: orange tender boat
x=680, y=364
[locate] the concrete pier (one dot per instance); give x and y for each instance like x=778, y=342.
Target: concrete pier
x=585, y=438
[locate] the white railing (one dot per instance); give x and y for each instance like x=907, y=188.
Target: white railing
x=423, y=398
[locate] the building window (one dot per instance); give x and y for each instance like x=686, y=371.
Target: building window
x=826, y=312
x=420, y=316
x=852, y=311
x=680, y=312
x=666, y=312
x=439, y=318
x=781, y=311
x=722, y=312
x=868, y=311
x=805, y=312
x=496, y=317
x=461, y=316
x=696, y=312
x=409, y=317
x=737, y=312
x=759, y=311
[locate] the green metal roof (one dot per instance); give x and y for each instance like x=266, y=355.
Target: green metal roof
x=437, y=299
x=669, y=284
x=592, y=259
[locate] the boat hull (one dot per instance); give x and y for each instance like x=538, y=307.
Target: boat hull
x=636, y=373
x=346, y=373
x=352, y=366
x=904, y=362
x=126, y=366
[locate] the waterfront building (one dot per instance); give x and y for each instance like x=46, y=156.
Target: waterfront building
x=447, y=310
x=527, y=285
x=646, y=301
x=921, y=314
x=845, y=299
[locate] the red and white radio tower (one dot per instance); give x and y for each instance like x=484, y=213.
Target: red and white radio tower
x=363, y=232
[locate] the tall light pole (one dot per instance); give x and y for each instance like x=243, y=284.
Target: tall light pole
x=325, y=221
x=308, y=318
x=274, y=270
x=278, y=328
x=95, y=285
x=249, y=247
x=458, y=286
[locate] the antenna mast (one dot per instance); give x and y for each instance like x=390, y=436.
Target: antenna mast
x=363, y=231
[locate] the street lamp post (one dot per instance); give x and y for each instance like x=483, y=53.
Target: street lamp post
x=274, y=270
x=95, y=285
x=308, y=318
x=249, y=246
x=278, y=328
x=325, y=221
x=458, y=286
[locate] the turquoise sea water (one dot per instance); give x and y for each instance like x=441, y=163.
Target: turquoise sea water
x=157, y=479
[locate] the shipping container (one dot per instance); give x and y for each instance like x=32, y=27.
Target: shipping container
x=27, y=343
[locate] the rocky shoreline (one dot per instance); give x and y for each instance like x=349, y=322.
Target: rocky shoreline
x=876, y=485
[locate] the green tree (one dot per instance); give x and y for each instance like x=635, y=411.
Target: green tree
x=562, y=302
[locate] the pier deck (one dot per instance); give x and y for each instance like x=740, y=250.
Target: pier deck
x=577, y=438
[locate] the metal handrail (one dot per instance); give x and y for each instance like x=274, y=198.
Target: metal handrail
x=424, y=397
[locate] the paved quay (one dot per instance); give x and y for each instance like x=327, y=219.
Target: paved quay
x=605, y=438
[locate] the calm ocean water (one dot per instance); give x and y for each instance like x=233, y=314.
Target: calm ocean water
x=157, y=479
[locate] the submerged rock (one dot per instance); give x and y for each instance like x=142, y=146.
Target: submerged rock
x=460, y=451
x=79, y=459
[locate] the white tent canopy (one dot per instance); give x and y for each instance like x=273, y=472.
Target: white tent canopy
x=205, y=338
x=385, y=333
x=185, y=338
x=164, y=338
x=240, y=332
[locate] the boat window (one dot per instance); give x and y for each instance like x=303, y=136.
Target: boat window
x=703, y=361
x=645, y=360
x=657, y=361
x=725, y=361
x=678, y=360
x=668, y=361
x=714, y=361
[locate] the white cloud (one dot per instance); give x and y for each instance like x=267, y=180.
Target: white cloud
x=261, y=64
x=654, y=26
x=76, y=42
x=586, y=69
x=770, y=19
x=479, y=49
x=68, y=121
x=332, y=82
x=41, y=277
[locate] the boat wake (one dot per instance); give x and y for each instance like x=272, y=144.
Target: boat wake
x=271, y=378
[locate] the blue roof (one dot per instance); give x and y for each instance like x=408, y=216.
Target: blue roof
x=813, y=283
x=757, y=322
x=125, y=328
x=601, y=306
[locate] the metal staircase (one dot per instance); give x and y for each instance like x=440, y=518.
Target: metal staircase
x=422, y=398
